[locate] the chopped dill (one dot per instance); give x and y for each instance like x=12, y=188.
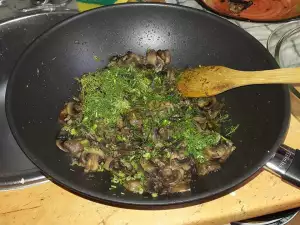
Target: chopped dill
x=196, y=141
x=230, y=130
x=131, y=121
x=96, y=58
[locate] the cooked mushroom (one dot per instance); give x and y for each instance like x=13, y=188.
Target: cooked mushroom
x=180, y=187
x=200, y=119
x=133, y=58
x=186, y=164
x=135, y=122
x=92, y=163
x=126, y=59
x=73, y=146
x=150, y=145
x=148, y=166
x=165, y=56
x=171, y=176
x=63, y=115
x=206, y=103
x=128, y=167
x=159, y=64
x=165, y=133
x=178, y=155
x=107, y=162
x=151, y=58
x=86, y=154
x=221, y=152
x=208, y=167
x=171, y=75
x=59, y=144
x=158, y=162
x=134, y=186
x=70, y=108
x=120, y=123
x=155, y=185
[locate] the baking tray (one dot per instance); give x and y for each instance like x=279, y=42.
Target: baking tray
x=16, y=171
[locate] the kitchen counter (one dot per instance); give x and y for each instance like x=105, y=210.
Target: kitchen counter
x=49, y=204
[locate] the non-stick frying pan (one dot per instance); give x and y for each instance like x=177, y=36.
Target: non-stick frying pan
x=43, y=80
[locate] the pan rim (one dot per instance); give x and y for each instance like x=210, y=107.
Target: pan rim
x=243, y=19
x=98, y=196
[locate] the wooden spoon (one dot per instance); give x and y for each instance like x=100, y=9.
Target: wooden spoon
x=212, y=80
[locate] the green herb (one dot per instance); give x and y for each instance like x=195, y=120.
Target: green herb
x=85, y=142
x=96, y=58
x=195, y=140
x=232, y=129
x=147, y=155
x=154, y=195
x=111, y=92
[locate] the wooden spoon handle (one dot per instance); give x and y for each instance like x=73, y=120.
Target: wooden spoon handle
x=283, y=76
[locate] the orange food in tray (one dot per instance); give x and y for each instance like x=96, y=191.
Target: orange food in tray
x=263, y=10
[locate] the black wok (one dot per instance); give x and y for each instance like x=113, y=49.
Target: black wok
x=43, y=80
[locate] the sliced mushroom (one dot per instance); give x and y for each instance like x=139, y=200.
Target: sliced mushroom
x=185, y=164
x=73, y=146
x=165, y=133
x=70, y=108
x=166, y=172
x=155, y=185
x=133, y=58
x=171, y=176
x=107, y=162
x=151, y=58
x=165, y=55
x=126, y=165
x=134, y=186
x=171, y=75
x=206, y=168
x=127, y=59
x=59, y=144
x=180, y=187
x=63, y=115
x=200, y=119
x=167, y=105
x=136, y=123
x=134, y=120
x=180, y=155
x=92, y=163
x=148, y=166
x=158, y=162
x=85, y=155
x=159, y=64
x=120, y=123
x=177, y=177
x=221, y=152
x=206, y=103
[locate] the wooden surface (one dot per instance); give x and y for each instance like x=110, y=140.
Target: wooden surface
x=48, y=204
x=295, y=221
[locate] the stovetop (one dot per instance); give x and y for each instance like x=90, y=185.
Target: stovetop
x=16, y=171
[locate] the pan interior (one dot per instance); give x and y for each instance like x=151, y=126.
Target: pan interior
x=44, y=79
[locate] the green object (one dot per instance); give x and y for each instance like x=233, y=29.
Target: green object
x=84, y=5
